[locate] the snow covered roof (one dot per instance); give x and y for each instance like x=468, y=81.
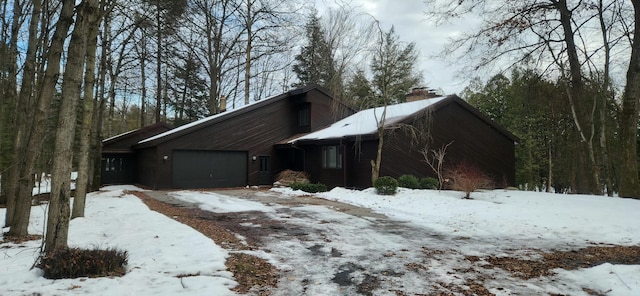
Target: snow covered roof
x=366, y=121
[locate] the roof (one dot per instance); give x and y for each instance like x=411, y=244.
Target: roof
x=366, y=122
x=122, y=143
x=208, y=121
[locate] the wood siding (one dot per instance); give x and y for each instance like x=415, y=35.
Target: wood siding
x=254, y=132
x=475, y=141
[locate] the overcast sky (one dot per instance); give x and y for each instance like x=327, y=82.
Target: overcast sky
x=409, y=19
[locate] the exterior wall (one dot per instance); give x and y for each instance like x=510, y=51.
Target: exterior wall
x=146, y=167
x=474, y=142
x=255, y=132
x=317, y=174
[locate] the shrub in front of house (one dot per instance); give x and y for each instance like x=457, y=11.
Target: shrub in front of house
x=429, y=183
x=468, y=178
x=73, y=263
x=309, y=187
x=409, y=181
x=386, y=185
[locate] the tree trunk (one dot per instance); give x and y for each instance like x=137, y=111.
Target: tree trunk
x=247, y=69
x=375, y=164
x=14, y=130
x=582, y=118
x=158, y=65
x=84, y=154
x=628, y=183
x=58, y=214
x=38, y=124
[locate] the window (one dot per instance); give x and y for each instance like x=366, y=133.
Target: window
x=304, y=116
x=331, y=157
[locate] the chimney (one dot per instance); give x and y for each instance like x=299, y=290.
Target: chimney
x=421, y=93
x=223, y=104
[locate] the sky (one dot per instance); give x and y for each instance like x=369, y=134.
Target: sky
x=411, y=24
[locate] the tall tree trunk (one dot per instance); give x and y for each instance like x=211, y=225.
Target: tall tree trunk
x=582, y=118
x=37, y=134
x=628, y=169
x=59, y=211
x=247, y=69
x=158, y=64
x=375, y=163
x=84, y=154
x=13, y=130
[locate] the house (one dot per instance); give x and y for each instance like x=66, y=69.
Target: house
x=341, y=154
x=118, y=157
x=305, y=129
x=237, y=147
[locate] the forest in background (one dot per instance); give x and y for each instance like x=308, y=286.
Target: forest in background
x=72, y=74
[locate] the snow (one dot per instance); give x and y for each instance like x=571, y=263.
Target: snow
x=366, y=122
x=218, y=203
x=492, y=223
x=160, y=249
x=519, y=215
x=516, y=220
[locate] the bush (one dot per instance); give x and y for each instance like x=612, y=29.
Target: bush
x=409, y=181
x=429, y=183
x=468, y=178
x=386, y=185
x=73, y=263
x=308, y=187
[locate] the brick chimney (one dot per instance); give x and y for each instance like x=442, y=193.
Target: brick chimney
x=223, y=104
x=421, y=93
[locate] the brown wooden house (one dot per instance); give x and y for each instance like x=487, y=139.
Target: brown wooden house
x=341, y=154
x=236, y=148
x=118, y=157
x=306, y=130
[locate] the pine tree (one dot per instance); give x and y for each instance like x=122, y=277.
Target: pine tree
x=315, y=64
x=393, y=68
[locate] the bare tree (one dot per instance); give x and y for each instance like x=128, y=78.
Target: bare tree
x=435, y=160
x=59, y=211
x=558, y=37
x=36, y=134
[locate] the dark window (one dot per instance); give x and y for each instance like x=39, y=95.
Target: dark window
x=304, y=116
x=264, y=164
x=113, y=164
x=331, y=157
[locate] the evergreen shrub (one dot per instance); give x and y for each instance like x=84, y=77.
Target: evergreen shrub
x=386, y=185
x=429, y=183
x=409, y=181
x=309, y=187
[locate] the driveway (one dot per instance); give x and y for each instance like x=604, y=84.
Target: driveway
x=323, y=247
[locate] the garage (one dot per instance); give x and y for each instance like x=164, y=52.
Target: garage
x=209, y=169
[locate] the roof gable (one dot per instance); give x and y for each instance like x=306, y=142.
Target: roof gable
x=211, y=120
x=366, y=121
x=124, y=141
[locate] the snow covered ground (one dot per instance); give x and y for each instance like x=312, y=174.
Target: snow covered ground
x=341, y=245
x=160, y=250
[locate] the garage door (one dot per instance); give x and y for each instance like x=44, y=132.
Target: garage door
x=209, y=169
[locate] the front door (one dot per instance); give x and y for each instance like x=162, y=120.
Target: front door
x=264, y=176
